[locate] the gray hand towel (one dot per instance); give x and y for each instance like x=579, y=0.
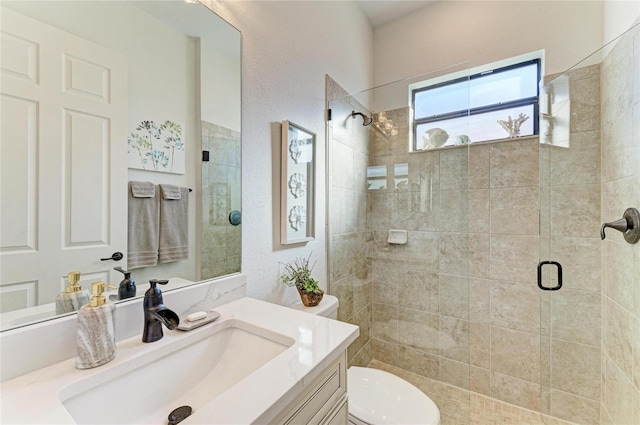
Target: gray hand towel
x=174, y=228
x=144, y=222
x=143, y=189
x=170, y=191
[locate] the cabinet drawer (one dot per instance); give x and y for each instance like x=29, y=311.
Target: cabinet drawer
x=340, y=415
x=314, y=404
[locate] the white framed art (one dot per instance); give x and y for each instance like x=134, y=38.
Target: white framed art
x=297, y=193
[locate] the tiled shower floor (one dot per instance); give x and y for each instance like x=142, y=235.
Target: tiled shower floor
x=462, y=407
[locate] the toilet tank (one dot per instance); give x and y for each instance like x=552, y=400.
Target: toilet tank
x=328, y=307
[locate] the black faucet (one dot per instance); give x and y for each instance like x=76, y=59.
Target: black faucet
x=156, y=313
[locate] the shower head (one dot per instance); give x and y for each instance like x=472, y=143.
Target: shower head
x=365, y=119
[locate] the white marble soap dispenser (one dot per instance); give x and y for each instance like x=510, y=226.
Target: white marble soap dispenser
x=73, y=297
x=96, y=330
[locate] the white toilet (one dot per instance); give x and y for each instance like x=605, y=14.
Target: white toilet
x=377, y=397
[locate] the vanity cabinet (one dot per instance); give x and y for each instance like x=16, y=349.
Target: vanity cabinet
x=301, y=383
x=322, y=402
x=341, y=416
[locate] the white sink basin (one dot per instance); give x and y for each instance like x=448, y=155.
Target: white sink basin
x=146, y=389
x=244, y=368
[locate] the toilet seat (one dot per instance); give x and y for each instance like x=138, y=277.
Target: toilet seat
x=379, y=397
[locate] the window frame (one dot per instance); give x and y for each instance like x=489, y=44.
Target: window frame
x=531, y=100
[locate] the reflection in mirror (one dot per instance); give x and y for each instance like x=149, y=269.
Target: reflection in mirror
x=89, y=89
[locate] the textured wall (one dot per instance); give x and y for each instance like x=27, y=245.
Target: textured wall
x=287, y=49
x=618, y=17
x=481, y=32
x=621, y=270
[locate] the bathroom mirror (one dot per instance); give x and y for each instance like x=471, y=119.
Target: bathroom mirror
x=65, y=154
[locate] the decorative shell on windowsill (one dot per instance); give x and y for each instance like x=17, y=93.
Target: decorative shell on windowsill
x=463, y=139
x=512, y=126
x=296, y=184
x=297, y=217
x=434, y=138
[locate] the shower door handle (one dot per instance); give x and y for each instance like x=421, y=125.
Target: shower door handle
x=549, y=288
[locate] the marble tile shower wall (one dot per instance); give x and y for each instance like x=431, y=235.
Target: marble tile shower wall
x=221, y=193
x=621, y=189
x=459, y=303
x=349, y=268
x=570, y=217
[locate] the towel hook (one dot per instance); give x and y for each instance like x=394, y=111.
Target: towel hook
x=629, y=225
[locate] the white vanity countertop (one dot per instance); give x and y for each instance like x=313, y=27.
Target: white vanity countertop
x=36, y=396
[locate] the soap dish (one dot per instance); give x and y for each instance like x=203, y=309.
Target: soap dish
x=186, y=325
x=397, y=236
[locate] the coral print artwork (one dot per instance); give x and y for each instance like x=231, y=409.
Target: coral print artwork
x=157, y=145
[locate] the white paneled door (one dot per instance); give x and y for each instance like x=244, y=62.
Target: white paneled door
x=63, y=159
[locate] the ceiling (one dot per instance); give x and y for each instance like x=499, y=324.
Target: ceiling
x=382, y=11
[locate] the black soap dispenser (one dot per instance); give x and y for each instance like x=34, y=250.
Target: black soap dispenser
x=127, y=288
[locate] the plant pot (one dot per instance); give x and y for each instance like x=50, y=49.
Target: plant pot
x=309, y=299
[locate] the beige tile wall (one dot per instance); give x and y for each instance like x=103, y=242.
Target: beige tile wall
x=221, y=242
x=570, y=205
x=470, y=316
x=459, y=303
x=349, y=267
x=620, y=81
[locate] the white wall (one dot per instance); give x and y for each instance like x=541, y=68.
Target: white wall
x=619, y=15
x=481, y=32
x=288, y=47
x=220, y=80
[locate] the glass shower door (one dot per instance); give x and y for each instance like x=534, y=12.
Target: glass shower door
x=569, y=268
x=221, y=201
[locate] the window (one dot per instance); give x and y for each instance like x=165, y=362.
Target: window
x=493, y=104
x=377, y=176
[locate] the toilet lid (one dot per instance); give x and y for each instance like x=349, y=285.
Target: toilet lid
x=379, y=397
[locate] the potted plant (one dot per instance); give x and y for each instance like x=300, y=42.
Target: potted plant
x=298, y=274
